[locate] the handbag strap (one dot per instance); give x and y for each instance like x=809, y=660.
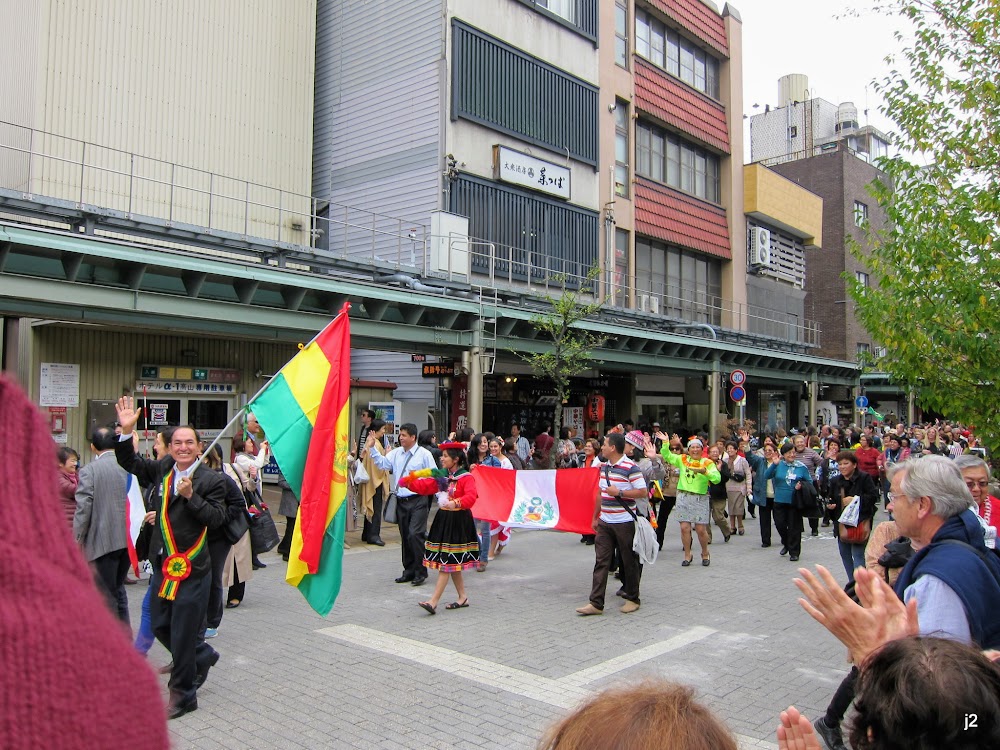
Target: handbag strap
x=402, y=471
x=607, y=478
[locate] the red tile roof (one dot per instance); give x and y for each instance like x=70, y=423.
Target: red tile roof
x=669, y=215
x=698, y=20
x=680, y=106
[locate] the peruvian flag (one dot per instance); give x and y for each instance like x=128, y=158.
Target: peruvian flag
x=559, y=499
x=135, y=511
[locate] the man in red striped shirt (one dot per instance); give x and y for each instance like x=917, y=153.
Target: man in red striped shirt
x=621, y=485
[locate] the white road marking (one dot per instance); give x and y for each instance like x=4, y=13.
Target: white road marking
x=564, y=693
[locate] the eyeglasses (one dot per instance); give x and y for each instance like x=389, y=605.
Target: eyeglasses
x=982, y=484
x=676, y=449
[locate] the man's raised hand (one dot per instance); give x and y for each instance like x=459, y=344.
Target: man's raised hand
x=127, y=415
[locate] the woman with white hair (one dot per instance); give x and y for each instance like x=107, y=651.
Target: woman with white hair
x=693, y=505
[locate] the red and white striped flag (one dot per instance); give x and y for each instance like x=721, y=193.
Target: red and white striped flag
x=557, y=499
x=135, y=511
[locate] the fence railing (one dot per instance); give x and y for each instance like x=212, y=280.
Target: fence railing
x=39, y=164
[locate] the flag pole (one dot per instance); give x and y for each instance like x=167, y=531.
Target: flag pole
x=243, y=409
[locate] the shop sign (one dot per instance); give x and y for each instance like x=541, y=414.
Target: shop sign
x=528, y=171
x=196, y=374
x=438, y=369
x=178, y=386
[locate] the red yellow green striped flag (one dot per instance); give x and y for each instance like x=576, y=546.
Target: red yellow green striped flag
x=305, y=412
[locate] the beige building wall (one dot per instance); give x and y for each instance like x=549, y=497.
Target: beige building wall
x=734, y=276
x=616, y=83
x=168, y=109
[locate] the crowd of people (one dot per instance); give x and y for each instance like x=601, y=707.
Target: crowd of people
x=918, y=598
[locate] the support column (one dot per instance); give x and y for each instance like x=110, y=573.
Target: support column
x=475, y=384
x=813, y=397
x=713, y=400
x=911, y=408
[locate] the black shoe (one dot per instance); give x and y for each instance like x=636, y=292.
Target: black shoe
x=257, y=564
x=404, y=579
x=784, y=551
x=284, y=558
x=377, y=541
x=814, y=532
x=765, y=544
x=727, y=537
x=831, y=736
x=176, y=712
x=620, y=592
x=825, y=524
x=199, y=679
x=589, y=542
x=419, y=581
x=793, y=558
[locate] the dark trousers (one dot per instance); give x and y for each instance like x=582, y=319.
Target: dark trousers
x=285, y=545
x=219, y=550
x=842, y=699
x=814, y=524
x=411, y=515
x=788, y=520
x=765, y=511
x=373, y=529
x=666, y=506
x=178, y=626
x=611, y=537
x=109, y=574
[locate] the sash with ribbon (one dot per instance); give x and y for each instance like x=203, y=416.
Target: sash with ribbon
x=177, y=565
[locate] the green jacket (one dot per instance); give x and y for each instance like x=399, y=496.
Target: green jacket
x=696, y=484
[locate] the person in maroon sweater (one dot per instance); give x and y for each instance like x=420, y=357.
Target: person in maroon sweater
x=70, y=677
x=868, y=458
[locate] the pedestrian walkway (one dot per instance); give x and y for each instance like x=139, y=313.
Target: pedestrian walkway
x=379, y=672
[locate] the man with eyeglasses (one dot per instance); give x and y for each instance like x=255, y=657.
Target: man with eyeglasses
x=976, y=473
x=954, y=578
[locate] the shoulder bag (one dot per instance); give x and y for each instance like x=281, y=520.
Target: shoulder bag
x=237, y=527
x=644, y=542
x=389, y=514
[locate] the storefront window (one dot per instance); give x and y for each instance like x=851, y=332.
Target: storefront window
x=773, y=410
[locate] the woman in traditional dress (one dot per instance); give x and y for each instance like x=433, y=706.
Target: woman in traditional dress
x=452, y=544
x=374, y=492
x=693, y=507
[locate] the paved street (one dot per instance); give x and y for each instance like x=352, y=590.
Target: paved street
x=379, y=672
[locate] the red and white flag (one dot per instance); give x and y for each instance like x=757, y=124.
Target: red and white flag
x=558, y=499
x=135, y=511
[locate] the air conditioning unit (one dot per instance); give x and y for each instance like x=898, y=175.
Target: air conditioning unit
x=648, y=303
x=760, y=246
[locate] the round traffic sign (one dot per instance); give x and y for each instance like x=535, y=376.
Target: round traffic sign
x=737, y=377
x=737, y=393
x=861, y=402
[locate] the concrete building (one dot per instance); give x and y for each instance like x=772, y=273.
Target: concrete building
x=821, y=147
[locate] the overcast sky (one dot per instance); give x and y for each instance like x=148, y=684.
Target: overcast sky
x=840, y=54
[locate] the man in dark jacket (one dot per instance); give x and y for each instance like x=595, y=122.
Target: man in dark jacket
x=194, y=502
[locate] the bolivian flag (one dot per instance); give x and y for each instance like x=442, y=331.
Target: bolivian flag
x=304, y=412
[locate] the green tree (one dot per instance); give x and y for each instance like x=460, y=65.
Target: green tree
x=570, y=343
x=935, y=304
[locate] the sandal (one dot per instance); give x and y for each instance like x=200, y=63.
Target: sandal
x=233, y=603
x=458, y=605
x=428, y=607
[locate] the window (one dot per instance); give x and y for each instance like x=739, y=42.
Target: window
x=666, y=158
x=621, y=35
x=621, y=148
x=619, y=288
x=862, y=278
x=860, y=213
x=679, y=56
x=688, y=285
x=864, y=352
x=563, y=8
x=793, y=131
x=503, y=88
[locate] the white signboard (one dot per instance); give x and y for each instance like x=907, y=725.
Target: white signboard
x=173, y=386
x=59, y=385
x=527, y=171
x=573, y=417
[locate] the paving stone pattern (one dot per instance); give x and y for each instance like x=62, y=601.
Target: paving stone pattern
x=380, y=672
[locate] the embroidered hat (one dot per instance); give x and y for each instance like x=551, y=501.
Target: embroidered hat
x=695, y=441
x=635, y=438
x=456, y=445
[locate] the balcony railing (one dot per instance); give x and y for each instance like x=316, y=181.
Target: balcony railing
x=42, y=174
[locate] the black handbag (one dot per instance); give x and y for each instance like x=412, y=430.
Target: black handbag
x=263, y=533
x=236, y=528
x=143, y=541
x=389, y=512
x=808, y=501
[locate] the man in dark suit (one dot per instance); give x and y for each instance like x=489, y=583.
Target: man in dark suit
x=100, y=524
x=194, y=502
